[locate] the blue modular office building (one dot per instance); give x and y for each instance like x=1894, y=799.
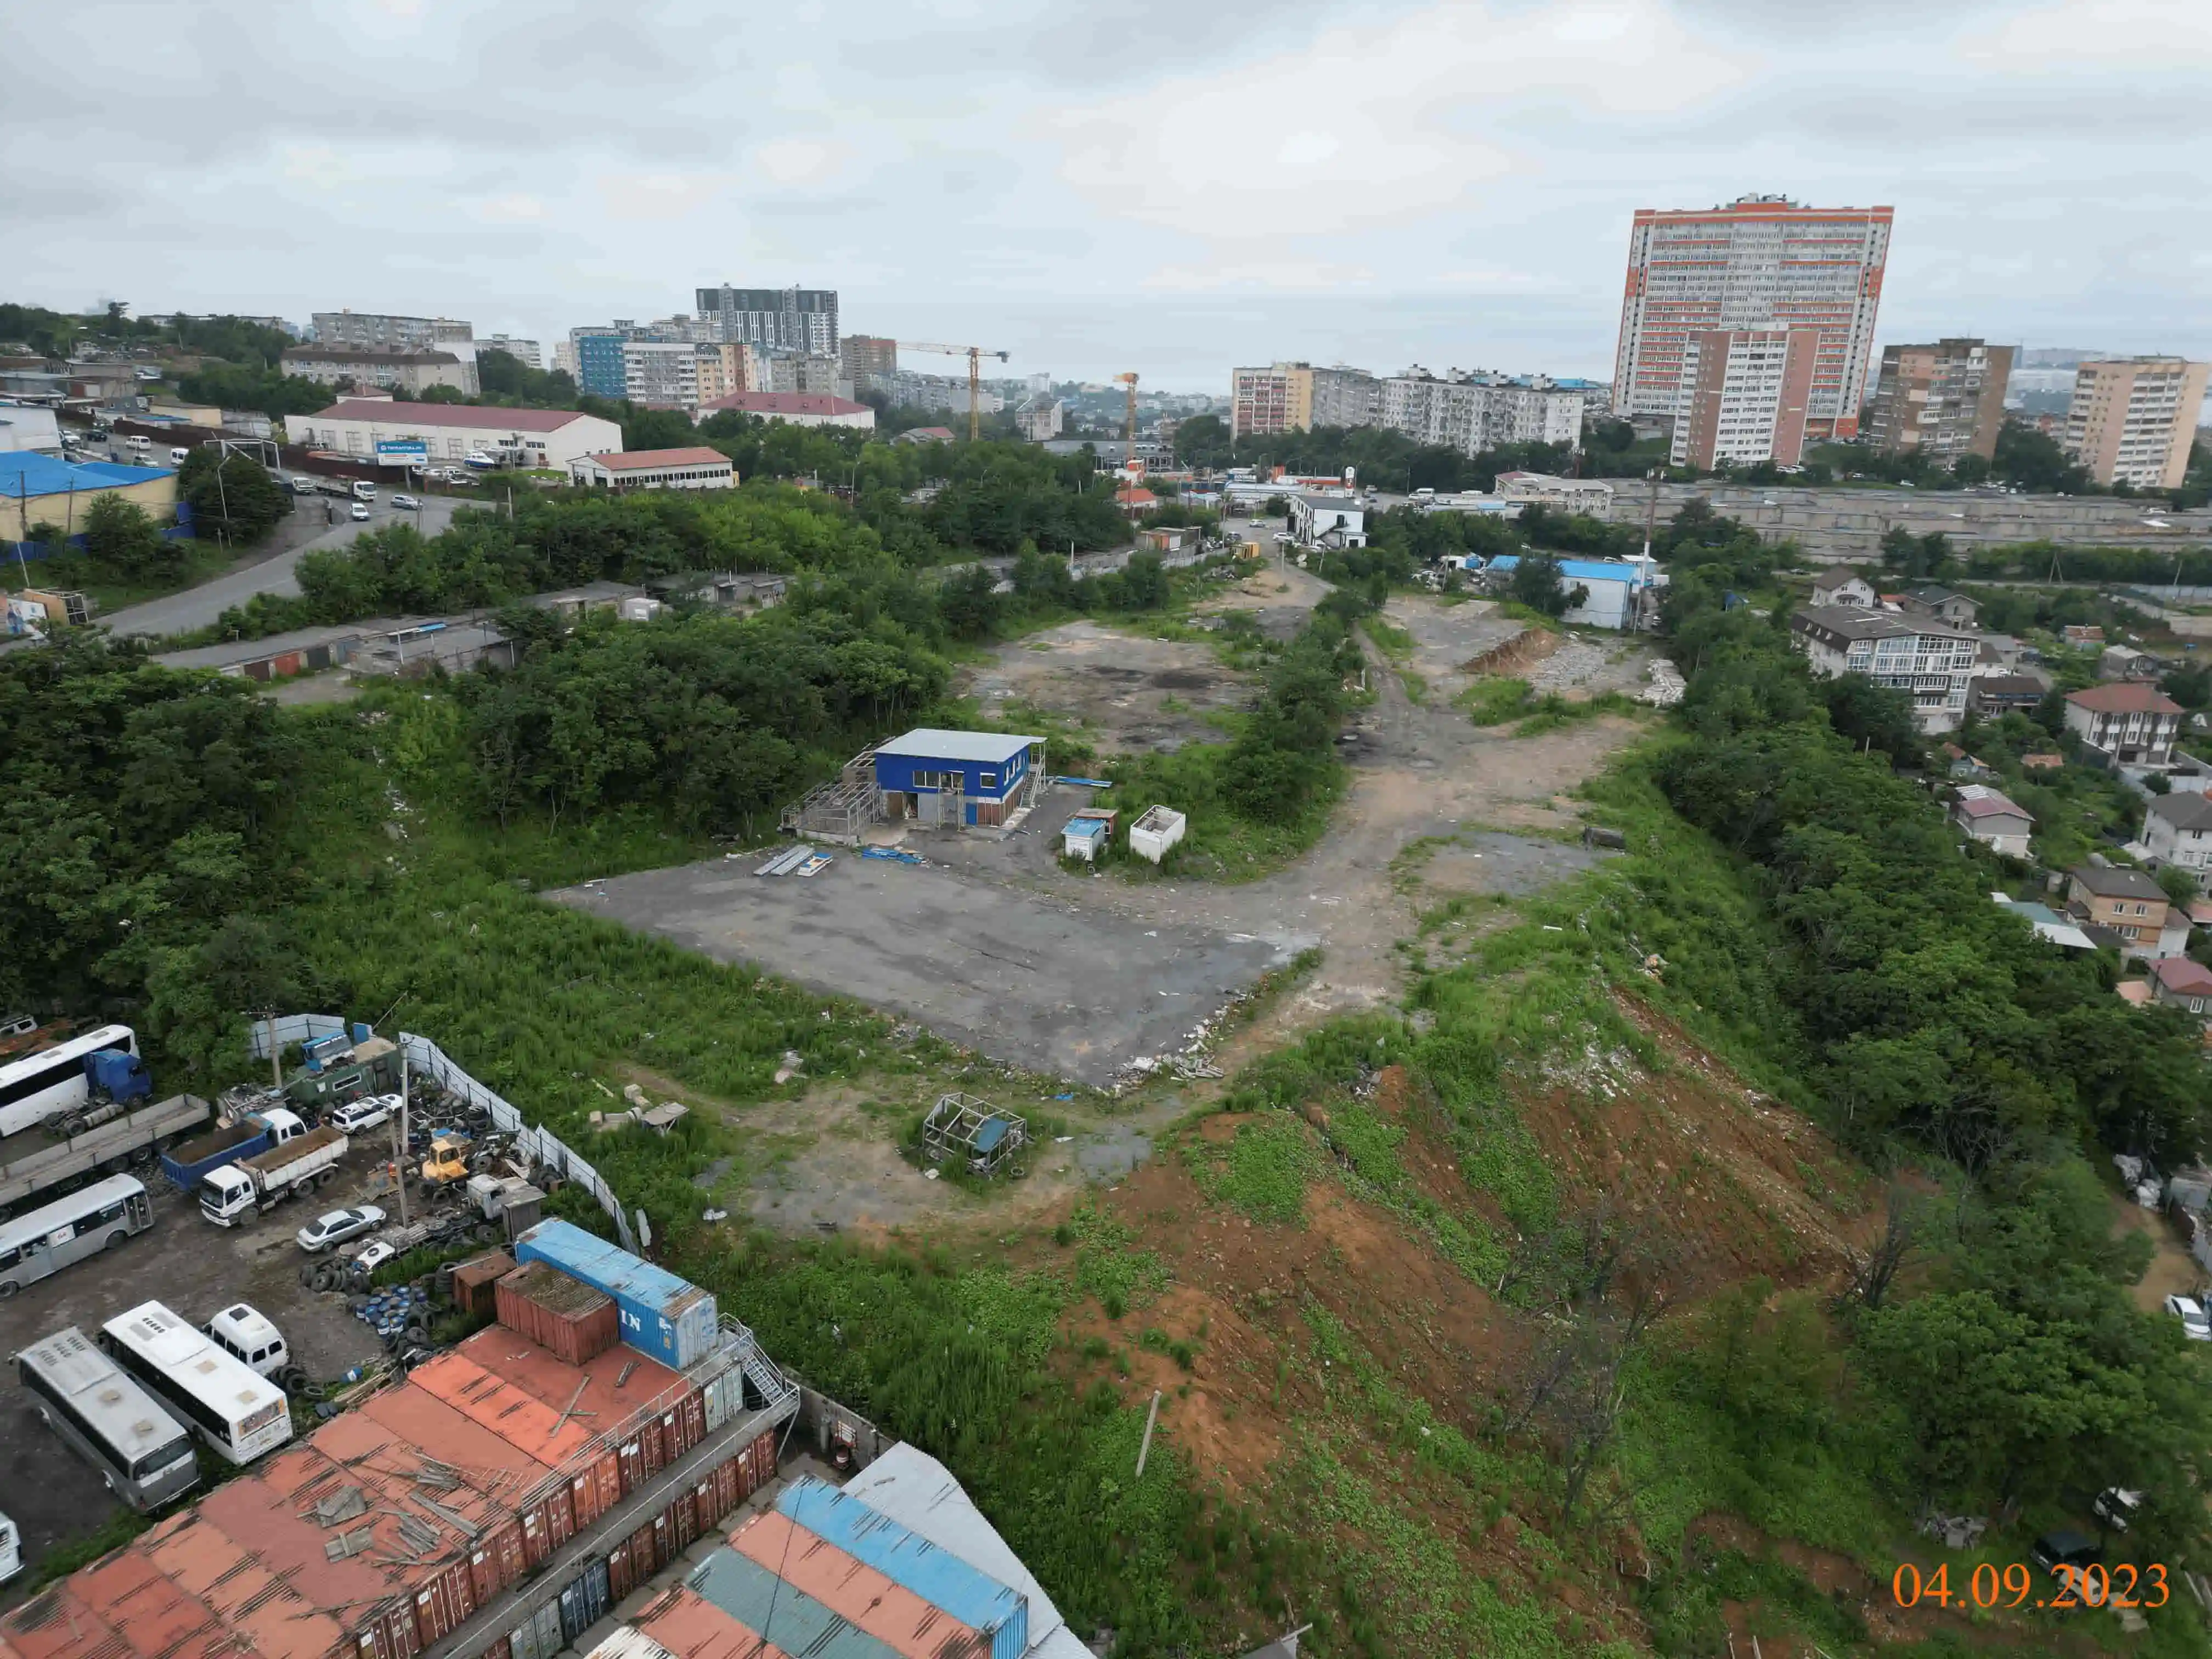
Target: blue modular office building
x=938, y=777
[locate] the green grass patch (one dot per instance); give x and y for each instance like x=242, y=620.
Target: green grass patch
x=1495, y=699
x=1219, y=843
x=1555, y=713
x=1264, y=1170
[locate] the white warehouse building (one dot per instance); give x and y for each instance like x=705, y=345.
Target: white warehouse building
x=390, y=434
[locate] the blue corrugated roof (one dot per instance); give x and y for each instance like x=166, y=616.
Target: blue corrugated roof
x=1581, y=570
x=938, y=1576
x=607, y=1266
x=25, y=473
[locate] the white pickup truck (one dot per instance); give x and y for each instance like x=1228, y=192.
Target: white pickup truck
x=254, y=1185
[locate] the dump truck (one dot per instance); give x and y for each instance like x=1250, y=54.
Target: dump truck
x=60, y=1161
x=229, y=1194
x=252, y=1134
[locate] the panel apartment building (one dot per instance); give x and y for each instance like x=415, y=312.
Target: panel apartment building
x=1744, y=397
x=1942, y=401
x=803, y=319
x=1297, y=397
x=371, y=331
x=2133, y=420
x=1466, y=410
x=1760, y=263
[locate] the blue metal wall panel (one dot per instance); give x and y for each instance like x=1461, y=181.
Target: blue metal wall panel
x=663, y=1316
x=938, y=1576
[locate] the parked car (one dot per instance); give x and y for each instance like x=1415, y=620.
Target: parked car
x=2195, y=1323
x=2063, y=1547
x=361, y=511
x=179, y=454
x=307, y=484
x=405, y=504
x=2116, y=1506
x=369, y=1112
x=250, y=1338
x=138, y=441
x=338, y=1225
x=460, y=478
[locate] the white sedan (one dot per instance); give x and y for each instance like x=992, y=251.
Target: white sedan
x=338, y=1226
x=2196, y=1324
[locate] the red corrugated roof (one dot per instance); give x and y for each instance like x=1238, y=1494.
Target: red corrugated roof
x=2124, y=697
x=512, y=1414
x=534, y=1370
x=698, y=455
x=476, y=417
x=785, y=402
x=691, y=1628
x=478, y=1446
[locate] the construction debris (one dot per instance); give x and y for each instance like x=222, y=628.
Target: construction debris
x=1667, y=685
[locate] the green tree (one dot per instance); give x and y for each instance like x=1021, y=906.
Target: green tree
x=119, y=538
x=1535, y=582
x=232, y=495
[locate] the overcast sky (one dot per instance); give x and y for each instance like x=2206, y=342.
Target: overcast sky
x=1155, y=185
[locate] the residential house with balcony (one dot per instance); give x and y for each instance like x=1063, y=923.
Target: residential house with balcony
x=1932, y=664
x=2180, y=982
x=2126, y=723
x=1845, y=587
x=2177, y=830
x=2131, y=907
x=1952, y=610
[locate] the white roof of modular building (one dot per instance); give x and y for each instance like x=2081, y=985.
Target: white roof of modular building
x=930, y=743
x=920, y=1494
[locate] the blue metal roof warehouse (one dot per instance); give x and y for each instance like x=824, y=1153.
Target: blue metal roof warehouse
x=25, y=473
x=983, y=776
x=36, y=489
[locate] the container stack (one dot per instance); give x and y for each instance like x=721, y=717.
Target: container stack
x=573, y=1321
x=671, y=1319
x=474, y=1281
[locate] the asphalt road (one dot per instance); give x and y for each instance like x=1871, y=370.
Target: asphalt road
x=195, y=607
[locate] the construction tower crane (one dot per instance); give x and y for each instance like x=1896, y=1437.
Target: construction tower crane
x=975, y=356
x=1130, y=380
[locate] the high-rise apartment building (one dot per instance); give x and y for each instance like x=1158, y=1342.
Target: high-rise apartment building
x=1760, y=263
x=870, y=362
x=1943, y=400
x=1744, y=396
x=810, y=371
x=1297, y=397
x=2132, y=420
x=774, y=319
x=564, y=358
x=599, y=354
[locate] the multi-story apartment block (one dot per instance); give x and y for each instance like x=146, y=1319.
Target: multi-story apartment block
x=363, y=367
x=1297, y=397
x=802, y=320
x=526, y=352
x=1943, y=400
x=1744, y=396
x=1760, y=263
x=598, y=354
x=1935, y=665
x=1344, y=397
x=665, y=373
x=380, y=332
x=2133, y=421
x=2128, y=723
x=1041, y=418
x=870, y=362
x=564, y=358
x=821, y=373
x=1478, y=411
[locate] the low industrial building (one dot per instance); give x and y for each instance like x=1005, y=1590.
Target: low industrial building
x=1619, y=593
x=387, y=433
x=794, y=408
x=27, y=428
x=1591, y=496
x=36, y=489
x=957, y=778
x=1330, y=521
x=696, y=467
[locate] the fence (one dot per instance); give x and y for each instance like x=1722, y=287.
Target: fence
x=426, y=1057
x=832, y=1425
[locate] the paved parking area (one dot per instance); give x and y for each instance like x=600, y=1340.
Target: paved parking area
x=196, y=1269
x=1032, y=980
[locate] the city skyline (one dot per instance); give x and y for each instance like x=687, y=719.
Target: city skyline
x=1054, y=187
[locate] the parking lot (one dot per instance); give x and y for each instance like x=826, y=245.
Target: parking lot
x=1034, y=981
x=196, y=1269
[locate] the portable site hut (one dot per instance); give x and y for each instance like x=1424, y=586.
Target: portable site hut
x=973, y=1131
x=957, y=779
x=1087, y=833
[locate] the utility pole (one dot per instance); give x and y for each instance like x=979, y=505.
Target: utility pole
x=1651, y=512
x=276, y=1052
x=400, y=1139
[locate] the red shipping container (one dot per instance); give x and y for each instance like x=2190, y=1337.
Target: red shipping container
x=399, y=1632
x=501, y=1649
x=620, y=1582
x=691, y=1421
x=536, y=1537
x=707, y=1497
x=764, y=1461
x=652, y=1446
x=584, y=1496
x=505, y=1545
x=606, y=1470
x=664, y=1539
x=561, y=1314
x=629, y=1457
x=727, y=1495
x=562, y=1517
x=643, y=1554
x=684, y=1516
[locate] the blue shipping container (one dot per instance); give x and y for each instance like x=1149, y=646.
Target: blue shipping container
x=780, y=1612
x=669, y=1318
x=937, y=1576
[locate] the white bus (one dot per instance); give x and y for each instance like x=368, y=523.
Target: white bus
x=239, y=1414
x=36, y=1087
x=143, y=1454
x=89, y=1220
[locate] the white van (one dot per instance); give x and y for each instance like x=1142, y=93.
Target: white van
x=178, y=455
x=139, y=440
x=248, y=1337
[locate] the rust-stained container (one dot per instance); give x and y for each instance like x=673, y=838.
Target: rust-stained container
x=706, y=1501
x=727, y=1496
x=475, y=1282
x=887, y=1610
x=684, y=1519
x=540, y=1431
x=563, y=1315
x=629, y=1459
x=596, y=1489
x=502, y=1648
x=621, y=1580
x=764, y=1462
x=692, y=1627
x=642, y=1554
